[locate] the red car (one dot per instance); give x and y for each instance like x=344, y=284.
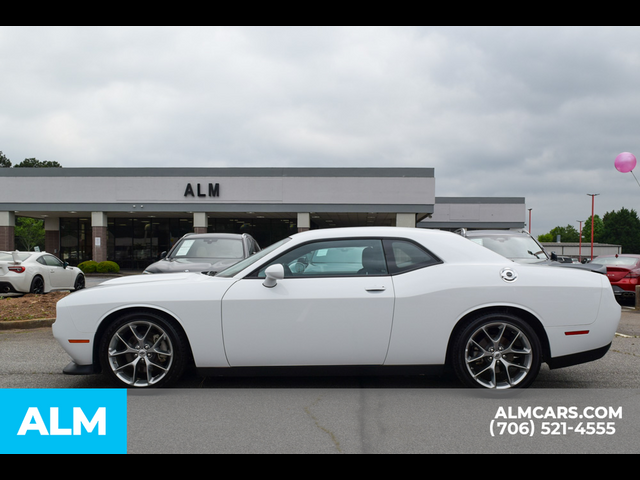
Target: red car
x=623, y=272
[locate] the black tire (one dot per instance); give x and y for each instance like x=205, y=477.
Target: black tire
x=497, y=351
x=37, y=286
x=143, y=349
x=79, y=284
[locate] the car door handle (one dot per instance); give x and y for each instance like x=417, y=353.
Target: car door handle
x=379, y=288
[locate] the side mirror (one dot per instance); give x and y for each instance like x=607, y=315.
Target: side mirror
x=273, y=273
x=554, y=256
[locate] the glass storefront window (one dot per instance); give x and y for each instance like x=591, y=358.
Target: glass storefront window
x=75, y=240
x=135, y=243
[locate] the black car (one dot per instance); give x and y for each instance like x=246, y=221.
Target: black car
x=207, y=253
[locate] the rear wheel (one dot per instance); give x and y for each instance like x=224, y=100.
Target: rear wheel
x=37, y=286
x=497, y=351
x=143, y=350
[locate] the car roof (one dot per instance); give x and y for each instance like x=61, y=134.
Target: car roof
x=515, y=233
x=448, y=246
x=215, y=235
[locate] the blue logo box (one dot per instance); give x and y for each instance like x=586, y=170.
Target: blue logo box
x=63, y=421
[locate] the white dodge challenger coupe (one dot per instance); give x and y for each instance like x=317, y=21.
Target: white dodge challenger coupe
x=359, y=300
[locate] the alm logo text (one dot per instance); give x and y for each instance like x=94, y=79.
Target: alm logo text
x=68, y=421
x=33, y=421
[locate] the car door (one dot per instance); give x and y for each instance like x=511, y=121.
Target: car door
x=333, y=307
x=59, y=276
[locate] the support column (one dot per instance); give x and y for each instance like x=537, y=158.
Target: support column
x=304, y=222
x=99, y=227
x=7, y=231
x=52, y=235
x=200, y=222
x=406, y=220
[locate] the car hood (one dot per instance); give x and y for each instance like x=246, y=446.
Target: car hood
x=165, y=291
x=175, y=278
x=194, y=265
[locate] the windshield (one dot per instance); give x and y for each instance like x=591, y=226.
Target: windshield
x=623, y=261
x=238, y=267
x=513, y=247
x=208, y=248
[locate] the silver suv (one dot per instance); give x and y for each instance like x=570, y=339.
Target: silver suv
x=207, y=253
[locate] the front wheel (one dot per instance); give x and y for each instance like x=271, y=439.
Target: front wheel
x=79, y=284
x=497, y=351
x=143, y=350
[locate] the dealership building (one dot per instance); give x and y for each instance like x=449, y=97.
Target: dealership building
x=132, y=215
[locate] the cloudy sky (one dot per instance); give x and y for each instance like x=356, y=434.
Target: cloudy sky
x=539, y=113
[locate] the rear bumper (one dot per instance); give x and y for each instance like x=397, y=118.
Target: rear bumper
x=578, y=358
x=620, y=293
x=6, y=287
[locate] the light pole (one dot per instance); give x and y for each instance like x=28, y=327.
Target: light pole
x=593, y=204
x=580, y=237
x=530, y=220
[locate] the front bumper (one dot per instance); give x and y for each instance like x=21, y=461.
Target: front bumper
x=74, y=369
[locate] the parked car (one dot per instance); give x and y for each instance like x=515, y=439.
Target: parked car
x=623, y=272
x=357, y=300
x=208, y=253
x=521, y=247
x=37, y=272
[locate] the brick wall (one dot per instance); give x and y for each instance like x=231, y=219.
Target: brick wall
x=7, y=238
x=100, y=252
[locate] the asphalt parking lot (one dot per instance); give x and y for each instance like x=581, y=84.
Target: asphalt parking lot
x=346, y=415
x=338, y=415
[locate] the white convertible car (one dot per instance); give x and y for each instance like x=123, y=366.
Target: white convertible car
x=357, y=300
x=36, y=272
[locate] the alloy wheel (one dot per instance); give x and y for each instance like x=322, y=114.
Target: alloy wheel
x=498, y=355
x=140, y=353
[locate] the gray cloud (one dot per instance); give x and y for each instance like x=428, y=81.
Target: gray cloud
x=539, y=112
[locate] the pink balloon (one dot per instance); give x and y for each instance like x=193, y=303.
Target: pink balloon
x=625, y=162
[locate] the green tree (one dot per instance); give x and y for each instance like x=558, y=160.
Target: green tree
x=4, y=161
x=35, y=163
x=546, y=238
x=567, y=234
x=622, y=228
x=598, y=230
x=29, y=233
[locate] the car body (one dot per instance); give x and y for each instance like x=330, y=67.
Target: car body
x=36, y=272
x=521, y=247
x=623, y=271
x=359, y=300
x=207, y=253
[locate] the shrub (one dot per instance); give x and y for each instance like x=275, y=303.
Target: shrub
x=88, y=267
x=108, y=267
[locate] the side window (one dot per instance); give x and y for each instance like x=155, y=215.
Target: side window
x=404, y=256
x=52, y=261
x=333, y=258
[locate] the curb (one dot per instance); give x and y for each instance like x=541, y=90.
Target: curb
x=26, y=324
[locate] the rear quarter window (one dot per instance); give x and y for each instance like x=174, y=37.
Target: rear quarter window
x=404, y=256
